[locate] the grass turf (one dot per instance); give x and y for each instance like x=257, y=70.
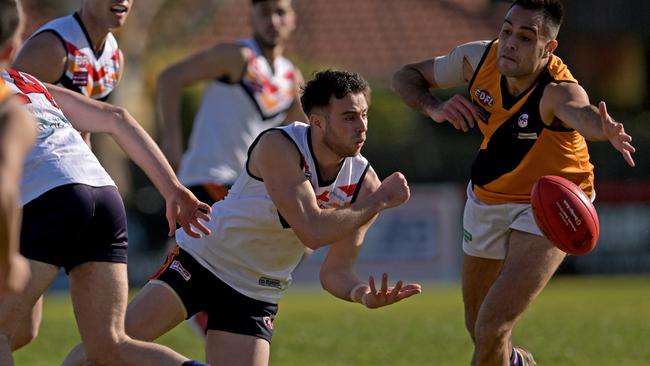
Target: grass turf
x=595, y=321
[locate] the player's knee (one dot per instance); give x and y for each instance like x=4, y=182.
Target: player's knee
x=492, y=333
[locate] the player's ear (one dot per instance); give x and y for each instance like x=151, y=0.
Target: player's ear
x=551, y=46
x=316, y=119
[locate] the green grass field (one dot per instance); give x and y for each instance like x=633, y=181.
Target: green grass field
x=594, y=321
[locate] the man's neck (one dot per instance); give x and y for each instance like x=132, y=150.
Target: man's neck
x=96, y=33
x=329, y=163
x=519, y=84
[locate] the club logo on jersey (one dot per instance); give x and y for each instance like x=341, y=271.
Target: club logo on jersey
x=270, y=282
x=523, y=120
x=81, y=61
x=484, y=97
x=178, y=267
x=268, y=321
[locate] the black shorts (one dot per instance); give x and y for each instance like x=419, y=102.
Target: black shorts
x=210, y=193
x=200, y=290
x=74, y=224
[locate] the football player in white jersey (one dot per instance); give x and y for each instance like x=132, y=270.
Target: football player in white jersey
x=78, y=52
x=251, y=87
x=17, y=132
x=74, y=218
x=304, y=186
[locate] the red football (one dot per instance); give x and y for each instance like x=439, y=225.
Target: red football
x=565, y=214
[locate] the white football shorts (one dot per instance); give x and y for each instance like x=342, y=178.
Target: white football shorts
x=486, y=228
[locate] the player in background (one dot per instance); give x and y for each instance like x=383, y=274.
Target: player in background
x=251, y=86
x=17, y=133
x=304, y=186
x=73, y=216
x=80, y=53
x=534, y=117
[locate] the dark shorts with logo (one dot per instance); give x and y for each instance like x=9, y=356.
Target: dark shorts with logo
x=200, y=290
x=74, y=224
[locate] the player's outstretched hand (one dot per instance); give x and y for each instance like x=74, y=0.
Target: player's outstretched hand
x=385, y=295
x=396, y=190
x=186, y=210
x=459, y=111
x=616, y=134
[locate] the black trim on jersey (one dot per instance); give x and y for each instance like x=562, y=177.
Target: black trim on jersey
x=58, y=81
x=257, y=139
x=359, y=184
x=506, y=149
x=478, y=67
x=321, y=182
x=508, y=100
x=257, y=106
x=97, y=53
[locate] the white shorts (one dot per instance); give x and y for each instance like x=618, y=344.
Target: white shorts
x=486, y=228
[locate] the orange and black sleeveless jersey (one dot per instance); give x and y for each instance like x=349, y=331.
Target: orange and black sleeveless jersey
x=518, y=147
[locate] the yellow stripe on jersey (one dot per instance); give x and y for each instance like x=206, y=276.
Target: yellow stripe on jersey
x=518, y=147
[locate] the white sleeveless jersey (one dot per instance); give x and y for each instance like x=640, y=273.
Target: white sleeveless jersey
x=252, y=248
x=93, y=75
x=232, y=115
x=59, y=156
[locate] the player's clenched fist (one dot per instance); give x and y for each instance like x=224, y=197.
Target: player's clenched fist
x=395, y=189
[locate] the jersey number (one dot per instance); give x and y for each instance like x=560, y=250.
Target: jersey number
x=31, y=85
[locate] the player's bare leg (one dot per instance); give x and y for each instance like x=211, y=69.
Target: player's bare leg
x=28, y=328
x=530, y=263
x=15, y=308
x=223, y=348
x=478, y=276
x=153, y=312
x=99, y=295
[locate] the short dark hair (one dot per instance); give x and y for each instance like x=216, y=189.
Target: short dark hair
x=9, y=20
x=325, y=84
x=552, y=10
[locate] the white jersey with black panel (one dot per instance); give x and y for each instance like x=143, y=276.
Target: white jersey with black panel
x=231, y=116
x=92, y=74
x=252, y=248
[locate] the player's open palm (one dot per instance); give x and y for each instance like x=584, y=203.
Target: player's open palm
x=395, y=189
x=616, y=134
x=186, y=210
x=386, y=295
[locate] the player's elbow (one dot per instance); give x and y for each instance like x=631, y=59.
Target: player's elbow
x=118, y=118
x=312, y=239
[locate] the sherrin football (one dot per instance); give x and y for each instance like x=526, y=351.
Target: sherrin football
x=565, y=214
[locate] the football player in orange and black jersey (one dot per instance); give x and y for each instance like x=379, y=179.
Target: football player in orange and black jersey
x=79, y=51
x=534, y=118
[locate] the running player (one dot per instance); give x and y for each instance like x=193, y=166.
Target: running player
x=80, y=53
x=73, y=216
x=534, y=117
x=251, y=87
x=304, y=186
